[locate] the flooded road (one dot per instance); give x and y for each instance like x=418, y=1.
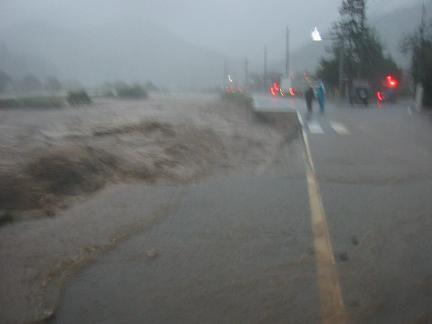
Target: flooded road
x=241, y=249
x=243, y=244
x=236, y=250
x=75, y=182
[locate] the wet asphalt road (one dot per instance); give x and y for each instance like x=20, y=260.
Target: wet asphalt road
x=376, y=186
x=240, y=249
x=236, y=250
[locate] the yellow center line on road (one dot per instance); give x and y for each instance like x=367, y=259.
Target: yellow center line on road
x=330, y=295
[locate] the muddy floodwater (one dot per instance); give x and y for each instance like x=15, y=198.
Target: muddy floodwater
x=65, y=173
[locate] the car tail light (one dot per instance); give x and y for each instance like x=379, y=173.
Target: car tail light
x=379, y=96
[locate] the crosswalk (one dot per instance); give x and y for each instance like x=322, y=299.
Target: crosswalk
x=315, y=128
x=320, y=127
x=339, y=128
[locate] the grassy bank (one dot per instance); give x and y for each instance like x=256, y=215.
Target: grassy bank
x=32, y=102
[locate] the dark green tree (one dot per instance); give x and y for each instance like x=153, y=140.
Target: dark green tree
x=358, y=45
x=419, y=46
x=329, y=71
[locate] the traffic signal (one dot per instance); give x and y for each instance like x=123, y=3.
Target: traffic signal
x=391, y=82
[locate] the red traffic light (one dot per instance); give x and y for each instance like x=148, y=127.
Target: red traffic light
x=391, y=82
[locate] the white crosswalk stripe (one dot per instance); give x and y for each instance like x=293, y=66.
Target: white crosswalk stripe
x=315, y=128
x=339, y=128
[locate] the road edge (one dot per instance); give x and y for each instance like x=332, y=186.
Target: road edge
x=330, y=293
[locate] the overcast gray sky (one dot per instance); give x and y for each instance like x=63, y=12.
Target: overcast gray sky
x=232, y=27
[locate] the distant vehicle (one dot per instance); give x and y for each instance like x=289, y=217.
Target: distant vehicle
x=286, y=84
x=360, y=92
x=283, y=90
x=275, y=90
x=388, y=90
x=286, y=87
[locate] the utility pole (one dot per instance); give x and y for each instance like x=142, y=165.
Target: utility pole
x=419, y=92
x=246, y=73
x=265, y=66
x=225, y=72
x=287, y=54
x=422, y=40
x=341, y=69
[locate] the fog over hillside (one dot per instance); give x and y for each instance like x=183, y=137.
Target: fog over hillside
x=138, y=51
x=391, y=27
x=172, y=43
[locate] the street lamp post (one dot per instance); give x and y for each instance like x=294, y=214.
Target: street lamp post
x=341, y=70
x=265, y=66
x=316, y=36
x=287, y=54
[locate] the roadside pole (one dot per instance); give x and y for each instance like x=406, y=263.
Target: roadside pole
x=225, y=72
x=265, y=67
x=341, y=70
x=246, y=73
x=287, y=54
x=419, y=97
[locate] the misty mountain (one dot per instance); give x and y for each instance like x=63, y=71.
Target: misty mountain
x=19, y=65
x=135, y=52
x=134, y=49
x=391, y=28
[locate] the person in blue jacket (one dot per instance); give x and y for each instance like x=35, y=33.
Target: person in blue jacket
x=320, y=94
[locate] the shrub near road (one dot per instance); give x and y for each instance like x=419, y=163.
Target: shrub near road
x=77, y=98
x=238, y=99
x=131, y=92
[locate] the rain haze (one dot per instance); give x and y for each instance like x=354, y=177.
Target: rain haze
x=215, y=161
x=65, y=36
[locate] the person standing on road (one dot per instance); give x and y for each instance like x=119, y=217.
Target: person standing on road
x=309, y=96
x=321, y=96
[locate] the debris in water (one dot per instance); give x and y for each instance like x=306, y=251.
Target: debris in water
x=343, y=257
x=354, y=240
x=48, y=314
x=152, y=253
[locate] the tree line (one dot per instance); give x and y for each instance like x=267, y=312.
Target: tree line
x=357, y=45
x=28, y=83
x=419, y=46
